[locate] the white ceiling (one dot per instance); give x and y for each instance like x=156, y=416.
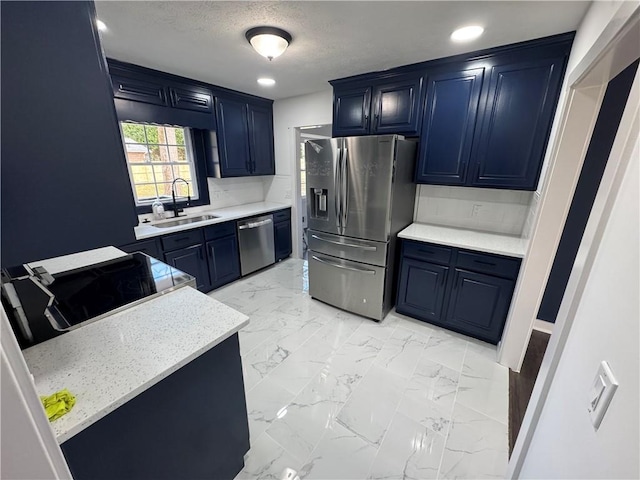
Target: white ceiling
x=331, y=39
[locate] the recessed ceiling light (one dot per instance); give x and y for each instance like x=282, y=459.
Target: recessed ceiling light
x=101, y=25
x=266, y=82
x=465, y=34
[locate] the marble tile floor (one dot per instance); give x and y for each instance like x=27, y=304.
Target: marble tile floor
x=333, y=395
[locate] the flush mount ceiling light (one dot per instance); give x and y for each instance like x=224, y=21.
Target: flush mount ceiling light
x=270, y=42
x=266, y=82
x=466, y=34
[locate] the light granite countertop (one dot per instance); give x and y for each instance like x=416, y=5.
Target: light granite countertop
x=499, y=244
x=108, y=362
x=147, y=230
x=78, y=260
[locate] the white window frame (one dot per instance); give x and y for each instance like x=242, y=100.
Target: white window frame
x=190, y=154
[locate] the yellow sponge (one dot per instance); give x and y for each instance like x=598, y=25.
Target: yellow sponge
x=58, y=404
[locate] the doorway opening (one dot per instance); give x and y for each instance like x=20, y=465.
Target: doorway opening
x=304, y=133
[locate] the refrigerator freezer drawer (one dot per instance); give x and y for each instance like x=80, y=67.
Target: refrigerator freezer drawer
x=365, y=251
x=352, y=286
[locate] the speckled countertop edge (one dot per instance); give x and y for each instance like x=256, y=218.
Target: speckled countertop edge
x=496, y=243
x=144, y=231
x=109, y=362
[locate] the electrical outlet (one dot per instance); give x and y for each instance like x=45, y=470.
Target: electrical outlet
x=216, y=195
x=475, y=210
x=287, y=195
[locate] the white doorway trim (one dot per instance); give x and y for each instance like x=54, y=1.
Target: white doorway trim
x=297, y=227
x=616, y=48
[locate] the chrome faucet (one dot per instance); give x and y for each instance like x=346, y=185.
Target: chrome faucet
x=176, y=210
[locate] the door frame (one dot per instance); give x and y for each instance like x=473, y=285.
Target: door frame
x=296, y=224
x=612, y=52
x=616, y=48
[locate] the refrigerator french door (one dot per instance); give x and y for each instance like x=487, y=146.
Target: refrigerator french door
x=360, y=194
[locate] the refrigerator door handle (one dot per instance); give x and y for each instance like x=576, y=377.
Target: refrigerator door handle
x=362, y=247
x=337, y=188
x=344, y=267
x=344, y=195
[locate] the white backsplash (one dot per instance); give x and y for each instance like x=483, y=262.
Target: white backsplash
x=498, y=211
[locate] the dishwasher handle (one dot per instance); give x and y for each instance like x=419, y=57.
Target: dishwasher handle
x=261, y=223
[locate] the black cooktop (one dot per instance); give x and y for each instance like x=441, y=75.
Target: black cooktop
x=89, y=292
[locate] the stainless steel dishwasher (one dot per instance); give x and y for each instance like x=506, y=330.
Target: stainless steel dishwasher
x=255, y=237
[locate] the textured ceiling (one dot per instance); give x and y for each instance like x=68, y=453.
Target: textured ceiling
x=331, y=39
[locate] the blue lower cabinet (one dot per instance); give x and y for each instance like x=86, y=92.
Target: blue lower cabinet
x=282, y=234
x=192, y=424
x=224, y=261
x=191, y=260
x=470, y=292
x=422, y=289
x=479, y=304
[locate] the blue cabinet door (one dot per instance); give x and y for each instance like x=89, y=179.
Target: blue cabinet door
x=282, y=234
x=479, y=304
x=224, y=261
x=191, y=260
x=421, y=290
x=351, y=111
x=233, y=138
x=516, y=122
x=261, y=140
x=448, y=125
x=397, y=106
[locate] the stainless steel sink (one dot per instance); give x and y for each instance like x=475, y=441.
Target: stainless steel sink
x=185, y=221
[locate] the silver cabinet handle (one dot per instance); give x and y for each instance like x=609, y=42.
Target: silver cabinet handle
x=254, y=224
x=337, y=265
x=363, y=247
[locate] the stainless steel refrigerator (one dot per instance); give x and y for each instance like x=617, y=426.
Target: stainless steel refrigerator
x=360, y=194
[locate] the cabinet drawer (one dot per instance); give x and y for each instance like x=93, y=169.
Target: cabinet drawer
x=491, y=264
x=182, y=239
x=282, y=215
x=218, y=231
x=426, y=251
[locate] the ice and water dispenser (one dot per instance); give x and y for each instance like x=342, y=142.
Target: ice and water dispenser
x=319, y=203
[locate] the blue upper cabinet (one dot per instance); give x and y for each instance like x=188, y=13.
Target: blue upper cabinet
x=233, y=138
x=483, y=118
x=388, y=105
x=245, y=138
x=448, y=126
x=260, y=120
x=513, y=132
x=237, y=128
x=396, y=106
x=351, y=107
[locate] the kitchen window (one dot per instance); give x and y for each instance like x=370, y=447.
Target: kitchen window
x=156, y=156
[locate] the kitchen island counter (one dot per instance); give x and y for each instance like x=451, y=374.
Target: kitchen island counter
x=109, y=362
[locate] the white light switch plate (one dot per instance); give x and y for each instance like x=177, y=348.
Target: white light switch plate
x=600, y=393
